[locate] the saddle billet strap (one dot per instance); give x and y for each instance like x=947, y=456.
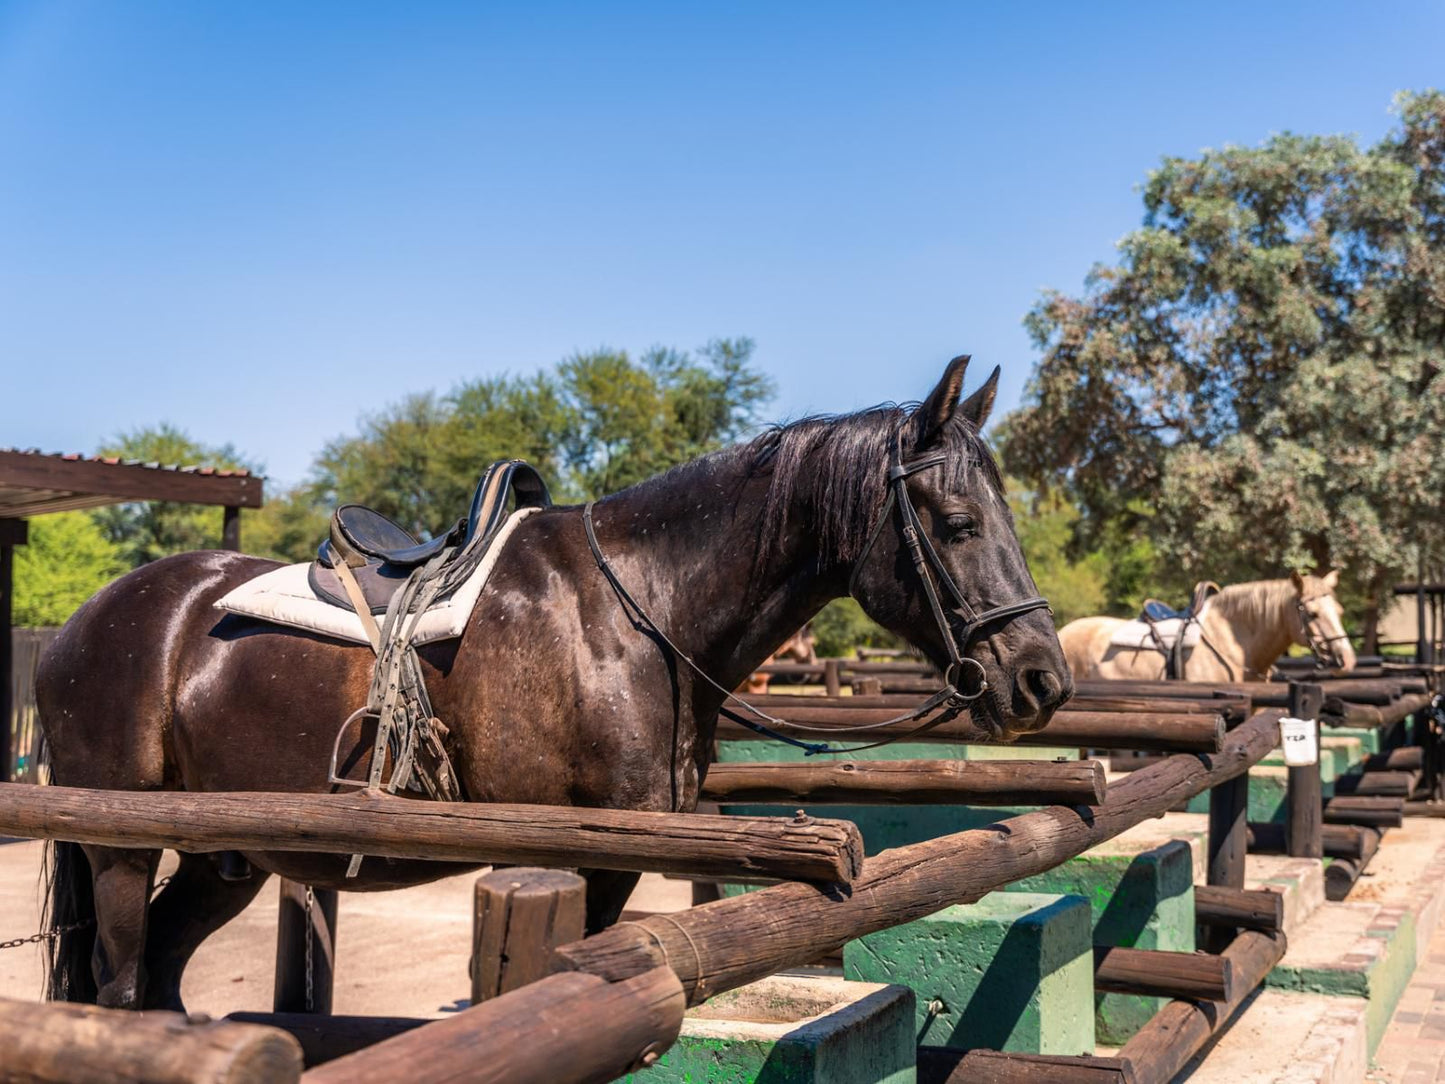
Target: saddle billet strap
x=359, y=604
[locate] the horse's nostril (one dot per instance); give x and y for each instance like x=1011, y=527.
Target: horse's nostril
x=1045, y=686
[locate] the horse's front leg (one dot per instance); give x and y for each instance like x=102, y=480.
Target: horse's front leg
x=122, y=881
x=607, y=893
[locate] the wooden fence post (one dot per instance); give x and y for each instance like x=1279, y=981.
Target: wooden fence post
x=305, y=949
x=1304, y=814
x=13, y=532
x=520, y=916
x=1228, y=846
x=833, y=677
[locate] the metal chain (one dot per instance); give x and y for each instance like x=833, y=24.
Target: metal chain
x=310, y=939
x=70, y=927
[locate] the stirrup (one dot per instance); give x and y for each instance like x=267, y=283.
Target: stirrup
x=331, y=776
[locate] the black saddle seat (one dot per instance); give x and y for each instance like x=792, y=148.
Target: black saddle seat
x=382, y=553
x=1154, y=610
x=371, y=534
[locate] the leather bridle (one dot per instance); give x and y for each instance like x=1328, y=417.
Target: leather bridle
x=947, y=702
x=1319, y=643
x=959, y=622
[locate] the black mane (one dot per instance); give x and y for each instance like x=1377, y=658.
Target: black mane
x=839, y=464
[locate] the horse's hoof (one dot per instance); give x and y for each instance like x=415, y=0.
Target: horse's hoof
x=232, y=866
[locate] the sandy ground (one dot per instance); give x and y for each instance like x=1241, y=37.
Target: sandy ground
x=400, y=953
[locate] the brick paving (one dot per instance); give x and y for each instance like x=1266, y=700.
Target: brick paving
x=1413, y=1049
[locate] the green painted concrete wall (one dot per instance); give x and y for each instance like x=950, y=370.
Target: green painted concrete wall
x=1014, y=971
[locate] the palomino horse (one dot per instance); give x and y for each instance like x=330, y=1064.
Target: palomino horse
x=556, y=693
x=1244, y=629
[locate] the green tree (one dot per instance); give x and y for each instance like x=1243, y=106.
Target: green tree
x=1260, y=369
x=595, y=423
x=288, y=527
x=67, y=559
x=842, y=626
x=147, y=530
x=1045, y=525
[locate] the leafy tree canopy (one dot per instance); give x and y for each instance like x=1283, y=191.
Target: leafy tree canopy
x=596, y=423
x=1255, y=385
x=147, y=530
x=68, y=559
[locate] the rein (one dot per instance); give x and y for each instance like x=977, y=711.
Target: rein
x=927, y=564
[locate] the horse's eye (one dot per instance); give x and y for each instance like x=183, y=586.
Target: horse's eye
x=963, y=524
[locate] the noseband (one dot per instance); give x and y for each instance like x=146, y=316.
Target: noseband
x=958, y=622
x=947, y=702
x=1320, y=644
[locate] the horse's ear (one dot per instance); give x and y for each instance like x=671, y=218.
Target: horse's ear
x=936, y=411
x=1298, y=581
x=975, y=409
x=1333, y=579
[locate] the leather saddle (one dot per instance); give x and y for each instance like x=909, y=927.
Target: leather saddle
x=1155, y=611
x=382, y=554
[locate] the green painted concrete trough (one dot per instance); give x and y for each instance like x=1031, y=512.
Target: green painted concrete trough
x=1014, y=971
x=794, y=1030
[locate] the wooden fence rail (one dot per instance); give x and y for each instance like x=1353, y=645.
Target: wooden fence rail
x=526, y=835
x=722, y=945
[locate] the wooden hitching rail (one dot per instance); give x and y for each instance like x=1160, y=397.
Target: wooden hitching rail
x=723, y=945
x=806, y=848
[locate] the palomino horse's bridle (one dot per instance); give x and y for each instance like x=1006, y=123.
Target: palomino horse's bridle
x=958, y=622
x=1320, y=644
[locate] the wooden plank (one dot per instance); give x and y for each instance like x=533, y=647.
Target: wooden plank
x=7, y=658
x=1153, y=973
x=1304, y=797
x=1384, y=784
x=1163, y=1046
x=1340, y=840
x=1097, y=730
x=62, y=1043
x=734, y=941
x=231, y=529
x=1341, y=875
x=134, y=482
x=1228, y=845
x=565, y=1029
x=1371, y=812
x=519, y=917
x=941, y=1065
x=885, y=782
x=804, y=848
x=1407, y=758
x=326, y=1038
x=295, y=990
x=1238, y=908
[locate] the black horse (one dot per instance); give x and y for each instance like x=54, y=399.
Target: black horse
x=556, y=693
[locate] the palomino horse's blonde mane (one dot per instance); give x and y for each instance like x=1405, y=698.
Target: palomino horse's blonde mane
x=1256, y=602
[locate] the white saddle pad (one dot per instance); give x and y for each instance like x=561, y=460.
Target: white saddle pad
x=284, y=597
x=1138, y=635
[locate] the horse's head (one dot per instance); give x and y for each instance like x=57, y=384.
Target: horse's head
x=944, y=570
x=1317, y=620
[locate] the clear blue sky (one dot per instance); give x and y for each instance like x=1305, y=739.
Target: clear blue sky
x=260, y=221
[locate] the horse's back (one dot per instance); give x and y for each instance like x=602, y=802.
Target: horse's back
x=1086, y=642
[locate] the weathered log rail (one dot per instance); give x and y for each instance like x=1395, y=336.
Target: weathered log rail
x=806, y=848
x=723, y=945
x=912, y=782
x=1173, y=733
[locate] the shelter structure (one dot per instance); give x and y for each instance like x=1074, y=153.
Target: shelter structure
x=33, y=483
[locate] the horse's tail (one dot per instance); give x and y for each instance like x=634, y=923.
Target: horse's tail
x=70, y=909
